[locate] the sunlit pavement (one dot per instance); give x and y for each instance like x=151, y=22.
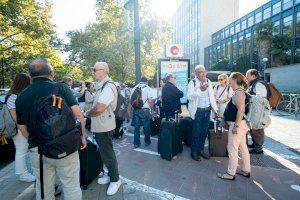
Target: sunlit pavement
x=275, y=175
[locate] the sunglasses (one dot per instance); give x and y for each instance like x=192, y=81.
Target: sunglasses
x=95, y=70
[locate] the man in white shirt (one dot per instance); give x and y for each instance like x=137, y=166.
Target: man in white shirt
x=201, y=100
x=141, y=111
x=257, y=86
x=104, y=123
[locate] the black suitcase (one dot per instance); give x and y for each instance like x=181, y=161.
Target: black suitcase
x=155, y=124
x=186, y=129
x=169, y=140
x=90, y=164
x=218, y=139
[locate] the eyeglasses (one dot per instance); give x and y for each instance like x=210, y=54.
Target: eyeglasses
x=220, y=79
x=174, y=77
x=95, y=70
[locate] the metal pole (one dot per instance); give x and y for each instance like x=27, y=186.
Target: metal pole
x=2, y=71
x=137, y=42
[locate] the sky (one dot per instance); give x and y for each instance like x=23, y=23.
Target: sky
x=75, y=14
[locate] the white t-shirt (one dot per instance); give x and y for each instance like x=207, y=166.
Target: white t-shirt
x=11, y=102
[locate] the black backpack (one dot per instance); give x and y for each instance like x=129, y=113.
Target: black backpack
x=136, y=98
x=55, y=129
x=54, y=126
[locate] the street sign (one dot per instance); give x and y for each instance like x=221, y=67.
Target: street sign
x=174, y=50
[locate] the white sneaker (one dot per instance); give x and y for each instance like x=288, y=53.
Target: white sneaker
x=27, y=177
x=101, y=174
x=113, y=187
x=104, y=179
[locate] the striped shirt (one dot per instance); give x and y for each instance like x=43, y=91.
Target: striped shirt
x=11, y=102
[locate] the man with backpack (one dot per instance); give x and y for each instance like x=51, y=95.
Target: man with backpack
x=259, y=87
x=141, y=102
x=104, y=125
x=46, y=114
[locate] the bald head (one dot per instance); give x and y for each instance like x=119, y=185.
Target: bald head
x=102, y=65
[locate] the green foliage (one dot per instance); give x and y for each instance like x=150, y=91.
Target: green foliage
x=107, y=40
x=26, y=31
x=281, y=46
x=242, y=64
x=221, y=65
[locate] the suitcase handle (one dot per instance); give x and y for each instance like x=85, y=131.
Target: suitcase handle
x=215, y=125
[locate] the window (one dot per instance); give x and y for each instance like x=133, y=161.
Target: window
x=298, y=24
x=241, y=44
x=231, y=30
x=237, y=27
x=287, y=4
x=250, y=21
x=228, y=48
x=244, y=25
x=247, y=44
x=276, y=27
x=276, y=8
x=287, y=25
x=297, y=50
x=226, y=32
x=258, y=17
x=267, y=13
x=234, y=49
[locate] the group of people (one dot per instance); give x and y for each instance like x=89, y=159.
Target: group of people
x=106, y=105
x=101, y=101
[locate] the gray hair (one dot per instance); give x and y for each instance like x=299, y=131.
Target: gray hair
x=102, y=65
x=169, y=76
x=39, y=67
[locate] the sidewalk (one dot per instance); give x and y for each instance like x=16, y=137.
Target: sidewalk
x=275, y=175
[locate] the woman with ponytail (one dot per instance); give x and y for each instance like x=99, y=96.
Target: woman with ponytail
x=234, y=117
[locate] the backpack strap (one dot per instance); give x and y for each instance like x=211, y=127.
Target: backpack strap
x=42, y=176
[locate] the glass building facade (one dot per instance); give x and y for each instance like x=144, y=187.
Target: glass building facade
x=186, y=29
x=238, y=38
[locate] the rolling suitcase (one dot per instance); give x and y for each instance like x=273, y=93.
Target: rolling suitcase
x=90, y=163
x=218, y=138
x=169, y=139
x=186, y=129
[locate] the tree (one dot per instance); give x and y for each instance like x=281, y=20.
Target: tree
x=263, y=35
x=242, y=64
x=280, y=50
x=221, y=65
x=107, y=40
x=26, y=31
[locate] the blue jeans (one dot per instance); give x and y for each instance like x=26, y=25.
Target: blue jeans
x=200, y=131
x=141, y=117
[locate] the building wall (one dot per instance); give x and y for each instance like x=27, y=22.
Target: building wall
x=214, y=15
x=196, y=20
x=285, y=78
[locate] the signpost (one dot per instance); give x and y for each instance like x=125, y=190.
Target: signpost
x=181, y=69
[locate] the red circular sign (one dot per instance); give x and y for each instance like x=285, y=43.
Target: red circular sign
x=174, y=50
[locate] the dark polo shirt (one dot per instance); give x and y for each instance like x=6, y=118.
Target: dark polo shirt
x=40, y=87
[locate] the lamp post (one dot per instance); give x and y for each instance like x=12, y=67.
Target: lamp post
x=133, y=5
x=265, y=60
